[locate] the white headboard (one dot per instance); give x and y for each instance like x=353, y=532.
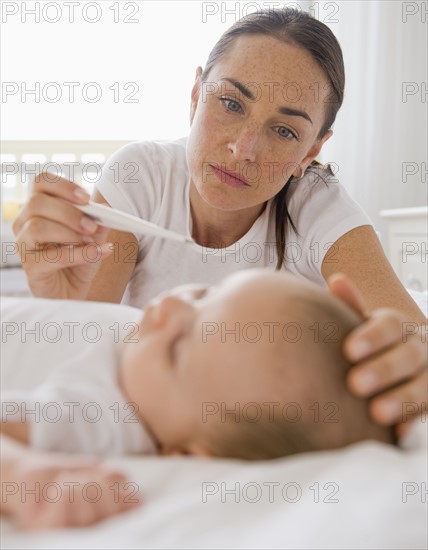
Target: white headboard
x=21, y=160
x=80, y=161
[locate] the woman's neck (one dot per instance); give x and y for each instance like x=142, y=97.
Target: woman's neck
x=218, y=228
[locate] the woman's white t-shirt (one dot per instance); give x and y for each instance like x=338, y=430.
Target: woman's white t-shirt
x=150, y=179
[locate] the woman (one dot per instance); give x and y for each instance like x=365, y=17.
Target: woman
x=244, y=184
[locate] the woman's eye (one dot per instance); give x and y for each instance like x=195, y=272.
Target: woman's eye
x=286, y=133
x=230, y=104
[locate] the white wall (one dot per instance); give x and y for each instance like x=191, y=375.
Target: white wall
x=159, y=52
x=381, y=133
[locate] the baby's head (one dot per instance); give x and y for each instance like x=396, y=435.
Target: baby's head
x=250, y=369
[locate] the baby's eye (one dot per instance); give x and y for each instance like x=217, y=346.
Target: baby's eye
x=230, y=104
x=286, y=133
x=173, y=350
x=202, y=292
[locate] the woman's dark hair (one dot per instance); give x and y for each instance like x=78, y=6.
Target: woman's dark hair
x=298, y=28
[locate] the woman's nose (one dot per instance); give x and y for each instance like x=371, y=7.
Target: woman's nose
x=245, y=144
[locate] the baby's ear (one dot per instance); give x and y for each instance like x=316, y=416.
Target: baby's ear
x=197, y=450
x=192, y=450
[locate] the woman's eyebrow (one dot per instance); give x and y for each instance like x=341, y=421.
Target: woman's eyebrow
x=295, y=112
x=283, y=110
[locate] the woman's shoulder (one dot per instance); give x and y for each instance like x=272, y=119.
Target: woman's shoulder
x=319, y=184
x=319, y=204
x=154, y=150
x=318, y=174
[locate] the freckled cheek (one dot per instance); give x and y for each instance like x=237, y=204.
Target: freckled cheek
x=210, y=121
x=271, y=173
x=204, y=144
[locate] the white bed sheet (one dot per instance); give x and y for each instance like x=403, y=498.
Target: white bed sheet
x=370, y=512
x=369, y=481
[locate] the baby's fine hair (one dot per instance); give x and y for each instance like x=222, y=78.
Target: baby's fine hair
x=311, y=408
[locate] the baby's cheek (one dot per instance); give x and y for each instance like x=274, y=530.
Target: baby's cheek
x=130, y=373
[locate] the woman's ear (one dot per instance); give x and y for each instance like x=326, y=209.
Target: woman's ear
x=195, y=94
x=312, y=154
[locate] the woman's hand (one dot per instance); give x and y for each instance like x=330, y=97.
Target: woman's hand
x=391, y=360
x=60, y=248
x=46, y=491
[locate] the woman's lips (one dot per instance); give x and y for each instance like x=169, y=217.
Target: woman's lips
x=229, y=178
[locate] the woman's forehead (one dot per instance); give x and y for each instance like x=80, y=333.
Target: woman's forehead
x=277, y=73
x=252, y=56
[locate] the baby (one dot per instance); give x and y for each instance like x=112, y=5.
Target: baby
x=250, y=369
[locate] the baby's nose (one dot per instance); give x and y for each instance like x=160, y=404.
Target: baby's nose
x=174, y=308
x=147, y=320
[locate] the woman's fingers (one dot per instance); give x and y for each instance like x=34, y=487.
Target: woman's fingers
x=399, y=377
x=37, y=232
x=46, y=246
x=68, y=273
x=342, y=287
x=42, y=207
x=400, y=362
x=64, y=256
x=384, y=328
x=392, y=364
x=59, y=187
x=401, y=404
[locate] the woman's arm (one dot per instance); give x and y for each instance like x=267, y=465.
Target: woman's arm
x=15, y=430
x=359, y=255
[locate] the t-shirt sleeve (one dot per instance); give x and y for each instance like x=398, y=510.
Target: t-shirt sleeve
x=322, y=212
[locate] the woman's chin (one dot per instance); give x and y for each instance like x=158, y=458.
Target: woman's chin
x=223, y=199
